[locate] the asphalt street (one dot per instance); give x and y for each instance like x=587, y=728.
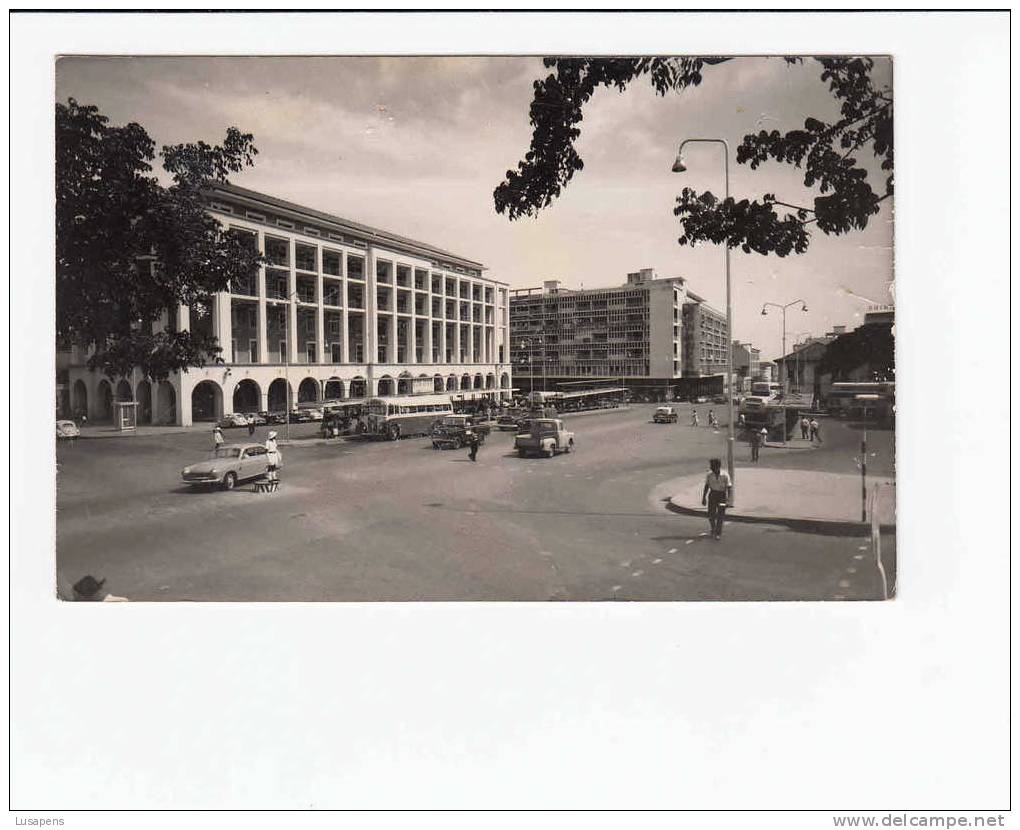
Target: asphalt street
x=372, y=520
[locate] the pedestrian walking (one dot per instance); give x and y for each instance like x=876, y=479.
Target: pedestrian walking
x=815, y=432
x=717, y=493
x=805, y=425
x=712, y=420
x=694, y=417
x=217, y=437
x=755, y=441
x=251, y=426
x=742, y=421
x=473, y=444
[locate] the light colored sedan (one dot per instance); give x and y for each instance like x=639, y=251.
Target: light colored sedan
x=67, y=429
x=231, y=463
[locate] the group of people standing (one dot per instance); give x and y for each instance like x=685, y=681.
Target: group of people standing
x=713, y=422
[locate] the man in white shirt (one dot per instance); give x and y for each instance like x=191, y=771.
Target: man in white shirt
x=717, y=494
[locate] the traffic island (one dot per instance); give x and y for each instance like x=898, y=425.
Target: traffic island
x=816, y=502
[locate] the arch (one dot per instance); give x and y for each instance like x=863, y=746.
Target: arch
x=359, y=387
x=281, y=396
x=333, y=390
x=386, y=386
x=124, y=392
x=465, y=382
x=143, y=394
x=247, y=396
x=490, y=381
x=438, y=384
x=404, y=385
x=504, y=381
x=79, y=398
x=451, y=383
x=206, y=401
x=308, y=391
x=166, y=403
x=104, y=401
x=479, y=380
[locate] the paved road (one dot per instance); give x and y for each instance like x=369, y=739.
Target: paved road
x=400, y=521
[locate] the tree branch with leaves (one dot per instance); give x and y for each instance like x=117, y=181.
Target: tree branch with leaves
x=827, y=152
x=128, y=248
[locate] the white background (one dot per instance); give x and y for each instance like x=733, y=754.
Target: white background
x=835, y=707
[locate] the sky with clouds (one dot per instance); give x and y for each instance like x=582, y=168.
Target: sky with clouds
x=416, y=145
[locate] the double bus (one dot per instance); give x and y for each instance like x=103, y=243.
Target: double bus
x=579, y=400
x=877, y=400
x=392, y=418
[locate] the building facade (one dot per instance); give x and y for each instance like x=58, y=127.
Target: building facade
x=746, y=361
x=340, y=311
x=629, y=333
x=706, y=339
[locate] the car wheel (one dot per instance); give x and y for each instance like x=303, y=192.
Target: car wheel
x=549, y=453
x=393, y=433
x=570, y=446
x=229, y=481
x=457, y=444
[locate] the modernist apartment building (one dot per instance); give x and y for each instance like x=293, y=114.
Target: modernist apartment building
x=342, y=310
x=632, y=334
x=706, y=339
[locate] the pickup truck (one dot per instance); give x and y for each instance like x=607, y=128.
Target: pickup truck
x=450, y=431
x=543, y=436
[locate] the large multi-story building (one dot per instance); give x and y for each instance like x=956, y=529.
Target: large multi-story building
x=632, y=334
x=341, y=310
x=706, y=339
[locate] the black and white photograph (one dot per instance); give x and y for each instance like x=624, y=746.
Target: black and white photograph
x=509, y=411
x=475, y=328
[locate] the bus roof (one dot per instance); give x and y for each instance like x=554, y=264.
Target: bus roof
x=413, y=400
x=583, y=392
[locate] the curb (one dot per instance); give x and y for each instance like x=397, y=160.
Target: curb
x=823, y=527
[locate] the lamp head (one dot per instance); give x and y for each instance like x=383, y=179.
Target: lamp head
x=679, y=166
x=764, y=311
x=803, y=306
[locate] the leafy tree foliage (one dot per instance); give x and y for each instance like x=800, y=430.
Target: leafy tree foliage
x=129, y=248
x=871, y=344
x=827, y=152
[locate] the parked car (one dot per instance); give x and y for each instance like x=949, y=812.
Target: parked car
x=701, y=399
x=312, y=413
x=234, y=420
x=450, y=431
x=545, y=436
x=229, y=464
x=508, y=423
x=67, y=429
x=719, y=399
x=665, y=415
x=256, y=418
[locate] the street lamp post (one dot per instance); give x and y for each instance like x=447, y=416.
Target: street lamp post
x=783, y=308
x=528, y=341
x=680, y=167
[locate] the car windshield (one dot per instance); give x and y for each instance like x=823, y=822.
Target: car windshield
x=452, y=421
x=225, y=452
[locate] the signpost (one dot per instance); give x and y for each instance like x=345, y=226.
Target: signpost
x=864, y=452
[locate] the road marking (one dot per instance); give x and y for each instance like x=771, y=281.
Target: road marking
x=862, y=547
x=843, y=583
x=858, y=556
x=656, y=561
x=616, y=588
x=851, y=570
x=637, y=573
x=673, y=550
x=625, y=564
x=688, y=542
x=703, y=534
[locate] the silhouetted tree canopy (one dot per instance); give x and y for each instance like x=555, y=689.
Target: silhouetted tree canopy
x=129, y=248
x=871, y=344
x=827, y=152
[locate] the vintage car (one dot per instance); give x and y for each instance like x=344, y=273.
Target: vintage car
x=231, y=463
x=665, y=415
x=234, y=420
x=67, y=429
x=509, y=422
x=451, y=431
x=543, y=436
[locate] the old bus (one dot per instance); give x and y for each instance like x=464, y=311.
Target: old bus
x=392, y=418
